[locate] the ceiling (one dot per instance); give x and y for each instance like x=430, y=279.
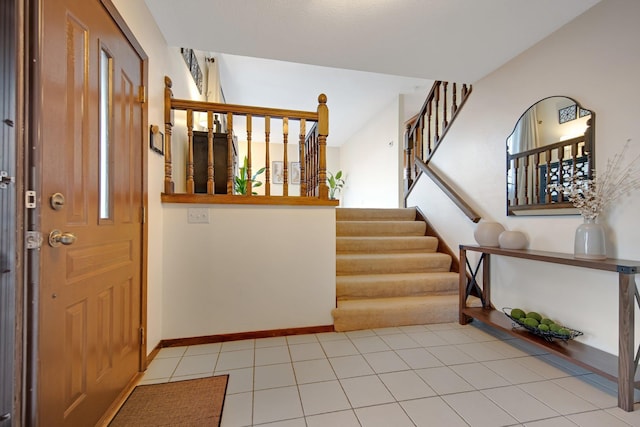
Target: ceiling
x=360, y=53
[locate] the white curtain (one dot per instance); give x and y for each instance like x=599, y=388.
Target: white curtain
x=524, y=138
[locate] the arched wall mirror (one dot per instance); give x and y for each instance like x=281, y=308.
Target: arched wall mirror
x=552, y=143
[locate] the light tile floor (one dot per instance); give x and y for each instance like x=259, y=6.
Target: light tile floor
x=434, y=375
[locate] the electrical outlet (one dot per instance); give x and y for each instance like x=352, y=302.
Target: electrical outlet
x=198, y=216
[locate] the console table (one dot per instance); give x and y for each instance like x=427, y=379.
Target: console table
x=621, y=368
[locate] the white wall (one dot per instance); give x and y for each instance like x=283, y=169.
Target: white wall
x=595, y=60
x=214, y=279
x=371, y=161
x=163, y=60
x=251, y=268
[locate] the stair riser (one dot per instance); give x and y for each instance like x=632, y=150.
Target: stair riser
x=391, y=265
x=388, y=289
x=384, y=228
x=389, y=317
x=385, y=245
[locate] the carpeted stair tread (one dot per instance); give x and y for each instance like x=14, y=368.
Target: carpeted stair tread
x=389, y=273
x=385, y=244
x=364, y=214
x=386, y=312
x=380, y=228
x=391, y=263
x=396, y=285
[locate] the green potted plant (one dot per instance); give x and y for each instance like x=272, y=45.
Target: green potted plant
x=240, y=181
x=335, y=183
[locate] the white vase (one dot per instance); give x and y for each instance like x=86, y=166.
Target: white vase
x=512, y=240
x=487, y=233
x=590, y=242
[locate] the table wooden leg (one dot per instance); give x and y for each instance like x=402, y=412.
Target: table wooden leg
x=462, y=291
x=626, y=344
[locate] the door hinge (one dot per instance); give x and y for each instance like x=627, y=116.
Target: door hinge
x=142, y=94
x=142, y=335
x=30, y=199
x=33, y=240
x=143, y=215
x=5, y=179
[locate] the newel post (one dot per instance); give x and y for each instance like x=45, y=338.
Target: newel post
x=323, y=132
x=168, y=125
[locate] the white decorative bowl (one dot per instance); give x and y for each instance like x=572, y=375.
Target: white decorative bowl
x=487, y=233
x=512, y=240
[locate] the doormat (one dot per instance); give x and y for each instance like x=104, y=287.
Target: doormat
x=181, y=403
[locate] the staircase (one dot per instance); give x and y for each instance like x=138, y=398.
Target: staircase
x=389, y=273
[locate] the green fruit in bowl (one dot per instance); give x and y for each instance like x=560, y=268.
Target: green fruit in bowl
x=554, y=327
x=542, y=327
x=564, y=331
x=517, y=313
x=534, y=315
x=530, y=321
x=546, y=321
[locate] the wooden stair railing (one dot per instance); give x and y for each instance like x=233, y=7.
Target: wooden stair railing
x=425, y=132
x=312, y=152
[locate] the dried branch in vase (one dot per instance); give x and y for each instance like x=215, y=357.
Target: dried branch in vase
x=592, y=196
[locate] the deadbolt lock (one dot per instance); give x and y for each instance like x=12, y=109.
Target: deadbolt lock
x=57, y=201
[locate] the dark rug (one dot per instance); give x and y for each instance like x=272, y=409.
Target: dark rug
x=181, y=403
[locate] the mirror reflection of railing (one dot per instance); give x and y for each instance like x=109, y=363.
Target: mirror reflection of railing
x=542, y=152
x=304, y=165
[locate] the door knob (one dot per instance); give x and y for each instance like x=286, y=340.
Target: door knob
x=57, y=238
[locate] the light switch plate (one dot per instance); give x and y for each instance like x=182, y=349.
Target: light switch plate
x=198, y=216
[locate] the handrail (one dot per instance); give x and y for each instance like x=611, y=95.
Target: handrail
x=317, y=189
x=449, y=191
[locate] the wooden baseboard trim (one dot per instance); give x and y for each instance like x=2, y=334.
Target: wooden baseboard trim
x=153, y=354
x=209, y=339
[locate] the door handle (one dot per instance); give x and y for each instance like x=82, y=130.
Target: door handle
x=57, y=238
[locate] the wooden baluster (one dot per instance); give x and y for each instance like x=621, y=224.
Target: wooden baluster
x=316, y=189
x=211, y=188
x=230, y=165
x=418, y=139
x=267, y=159
x=454, y=104
x=285, y=166
x=168, y=126
x=526, y=180
x=574, y=159
x=303, y=175
x=547, y=155
x=445, y=122
x=536, y=178
x=436, y=107
x=249, y=183
x=190, y=182
x=560, y=173
x=516, y=181
x=429, y=136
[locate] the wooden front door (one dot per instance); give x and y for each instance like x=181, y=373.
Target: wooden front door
x=91, y=138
